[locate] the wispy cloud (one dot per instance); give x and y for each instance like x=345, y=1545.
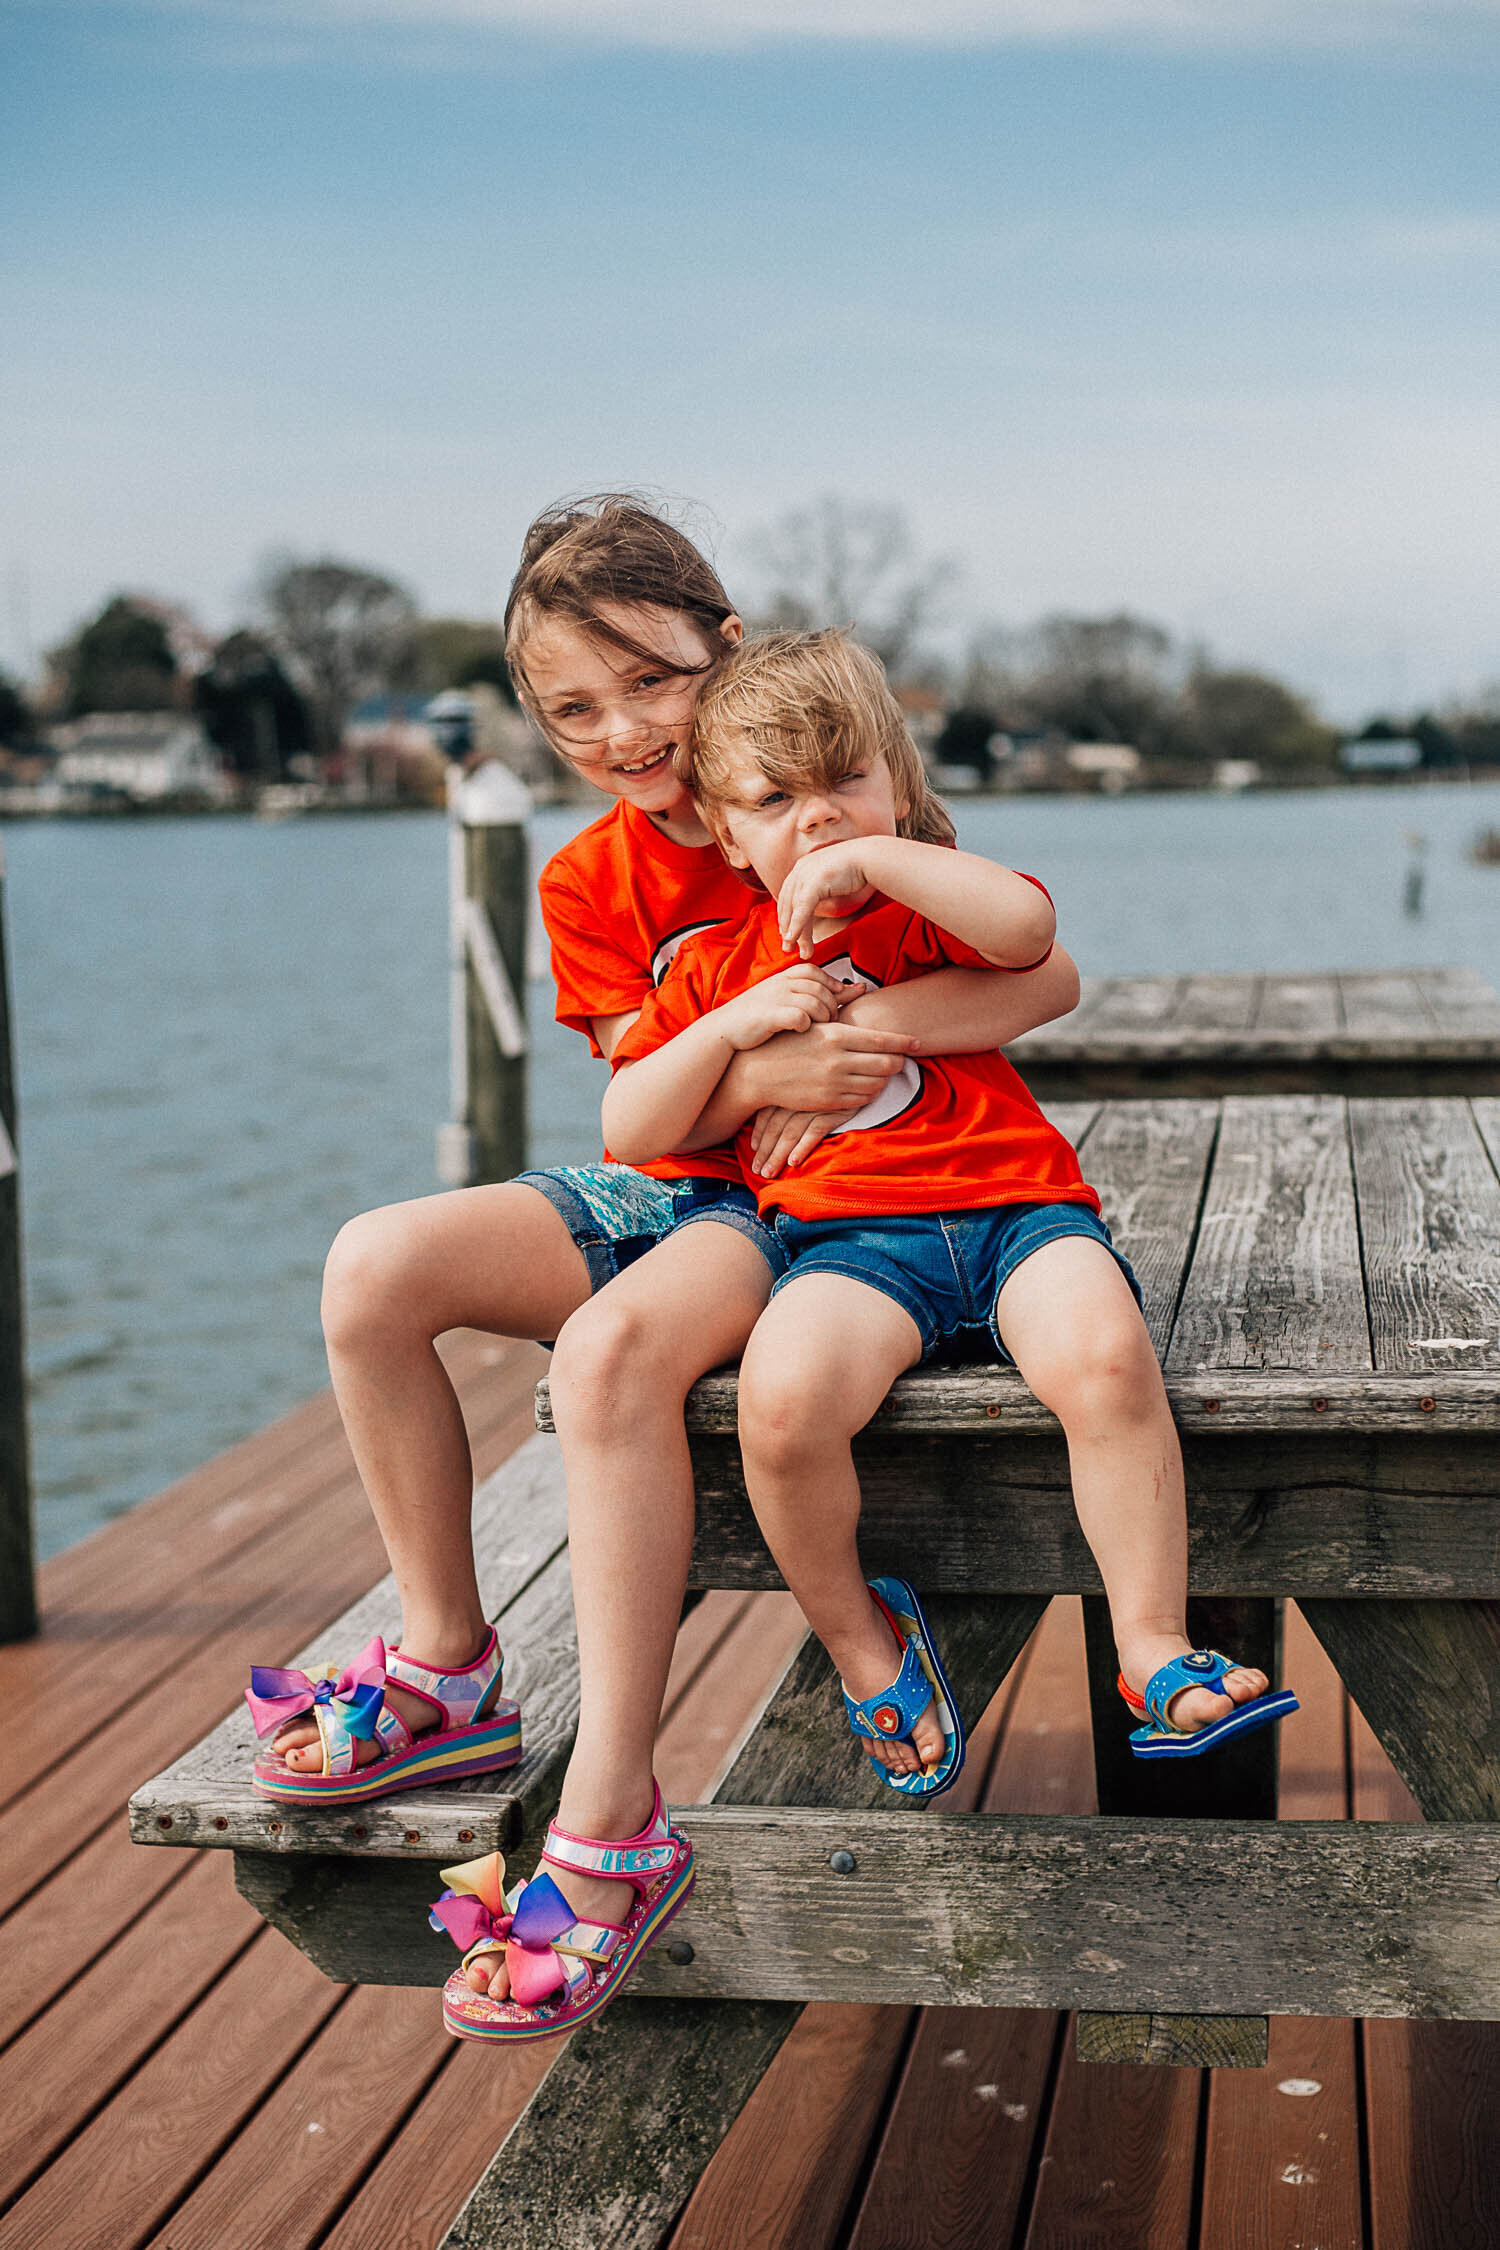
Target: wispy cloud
x=687, y=25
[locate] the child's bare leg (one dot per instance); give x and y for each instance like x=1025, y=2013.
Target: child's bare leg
x=498, y=1258
x=622, y=1369
x=1068, y=1319
x=821, y=1359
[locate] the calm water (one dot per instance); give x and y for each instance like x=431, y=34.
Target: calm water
x=230, y=1036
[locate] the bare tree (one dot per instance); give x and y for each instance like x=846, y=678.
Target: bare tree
x=1103, y=678
x=840, y=563
x=343, y=632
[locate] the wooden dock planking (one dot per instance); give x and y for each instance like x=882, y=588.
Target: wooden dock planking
x=167, y=2105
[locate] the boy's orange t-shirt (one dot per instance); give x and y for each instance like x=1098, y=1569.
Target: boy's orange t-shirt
x=947, y=1133
x=617, y=901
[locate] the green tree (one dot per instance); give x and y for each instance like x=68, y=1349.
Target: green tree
x=342, y=632
x=250, y=708
x=17, y=726
x=1101, y=679
x=458, y=652
x=1237, y=714
x=120, y=661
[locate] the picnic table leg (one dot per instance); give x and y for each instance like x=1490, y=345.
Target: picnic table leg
x=1235, y=1782
x=618, y=2134
x=1426, y=1675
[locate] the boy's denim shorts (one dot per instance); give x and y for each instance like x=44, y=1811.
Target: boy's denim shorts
x=615, y=1215
x=945, y=1268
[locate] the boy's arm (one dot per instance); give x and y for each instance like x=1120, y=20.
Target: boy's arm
x=654, y=1102
x=996, y=913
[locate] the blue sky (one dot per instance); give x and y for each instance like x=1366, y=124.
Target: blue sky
x=1164, y=304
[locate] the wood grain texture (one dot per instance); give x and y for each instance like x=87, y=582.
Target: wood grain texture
x=1430, y=1215
x=1275, y=1277
x=1117, y=2164
x=1330, y=1514
x=118, y=2179
x=520, y=1525
x=1177, y=2042
x=640, y=2101
x=1178, y=1917
x=1426, y=1676
x=1147, y=1161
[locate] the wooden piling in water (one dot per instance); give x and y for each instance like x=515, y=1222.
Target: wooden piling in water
x=18, y=1609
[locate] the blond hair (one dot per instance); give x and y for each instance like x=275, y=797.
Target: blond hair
x=807, y=707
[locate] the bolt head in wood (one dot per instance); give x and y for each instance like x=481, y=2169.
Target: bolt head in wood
x=842, y=1862
x=680, y=1952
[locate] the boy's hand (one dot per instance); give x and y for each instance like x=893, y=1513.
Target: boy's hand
x=836, y=871
x=782, y=1138
x=792, y=1000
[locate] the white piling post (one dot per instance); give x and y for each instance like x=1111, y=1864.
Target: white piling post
x=489, y=891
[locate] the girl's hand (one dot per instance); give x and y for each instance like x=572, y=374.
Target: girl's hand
x=835, y=1066
x=792, y=1000
x=785, y=1137
x=835, y=871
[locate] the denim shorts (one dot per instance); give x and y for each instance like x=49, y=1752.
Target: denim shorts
x=945, y=1268
x=615, y=1215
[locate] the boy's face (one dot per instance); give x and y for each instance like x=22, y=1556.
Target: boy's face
x=615, y=717
x=769, y=826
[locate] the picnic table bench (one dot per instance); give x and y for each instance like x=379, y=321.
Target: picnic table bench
x=1322, y=1280
x=1397, y=1031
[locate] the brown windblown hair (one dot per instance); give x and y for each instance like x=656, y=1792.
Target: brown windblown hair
x=610, y=547
x=806, y=707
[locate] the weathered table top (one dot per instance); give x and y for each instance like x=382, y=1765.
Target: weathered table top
x=1401, y=1031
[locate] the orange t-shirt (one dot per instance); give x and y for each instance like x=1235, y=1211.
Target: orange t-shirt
x=617, y=902
x=947, y=1133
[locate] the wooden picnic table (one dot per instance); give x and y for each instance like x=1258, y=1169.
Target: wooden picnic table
x=1398, y=1031
x=1322, y=1280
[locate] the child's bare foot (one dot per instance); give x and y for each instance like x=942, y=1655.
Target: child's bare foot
x=593, y=1898
x=1191, y=1708
x=868, y=1669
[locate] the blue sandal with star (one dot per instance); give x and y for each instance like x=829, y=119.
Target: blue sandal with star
x=891, y=1715
x=1205, y=1668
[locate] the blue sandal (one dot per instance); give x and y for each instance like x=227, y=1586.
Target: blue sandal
x=891, y=1715
x=1201, y=1667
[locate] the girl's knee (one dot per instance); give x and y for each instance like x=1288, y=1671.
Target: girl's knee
x=362, y=1277
x=604, y=1346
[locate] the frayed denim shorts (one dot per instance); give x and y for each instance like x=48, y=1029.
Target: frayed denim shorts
x=615, y=1215
x=945, y=1268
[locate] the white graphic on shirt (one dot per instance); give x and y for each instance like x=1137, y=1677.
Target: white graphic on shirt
x=667, y=952
x=899, y=1092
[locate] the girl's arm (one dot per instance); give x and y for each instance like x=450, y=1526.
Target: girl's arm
x=999, y=914
x=834, y=1069
x=653, y=1104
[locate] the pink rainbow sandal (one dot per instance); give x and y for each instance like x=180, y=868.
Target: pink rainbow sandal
x=562, y=1971
x=478, y=1729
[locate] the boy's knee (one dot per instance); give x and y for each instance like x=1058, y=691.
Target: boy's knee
x=1108, y=1371
x=784, y=1416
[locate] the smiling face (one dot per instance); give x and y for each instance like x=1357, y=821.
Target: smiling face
x=618, y=717
x=769, y=825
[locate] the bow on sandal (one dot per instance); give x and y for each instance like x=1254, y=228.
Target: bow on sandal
x=562, y=1970
x=1205, y=1668
x=891, y=1715
x=477, y=1730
